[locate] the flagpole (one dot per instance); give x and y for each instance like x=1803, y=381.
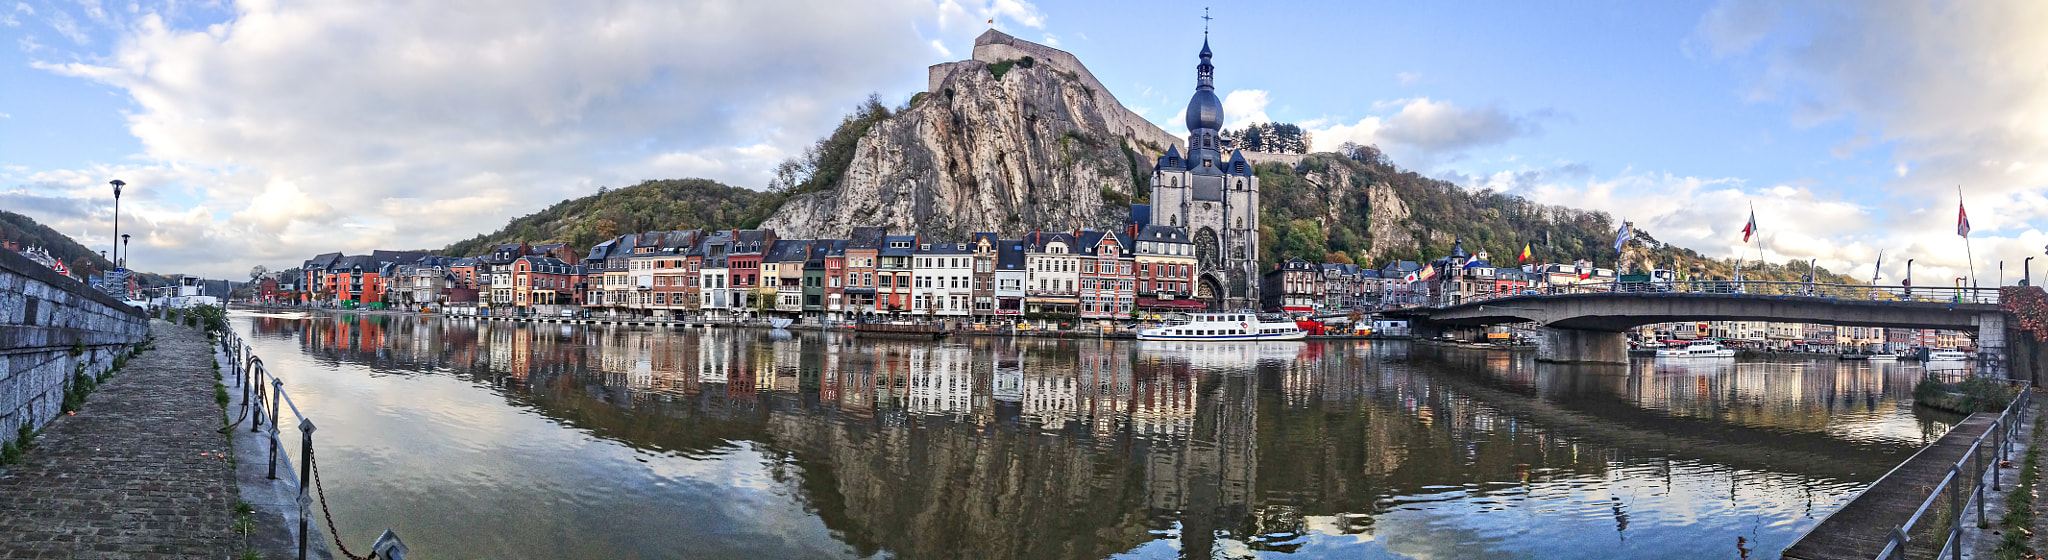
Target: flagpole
x=1966, y=240
x=1759, y=235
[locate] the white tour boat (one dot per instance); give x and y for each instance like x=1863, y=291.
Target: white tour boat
x=1884, y=357
x=1703, y=349
x=1225, y=327
x=1946, y=356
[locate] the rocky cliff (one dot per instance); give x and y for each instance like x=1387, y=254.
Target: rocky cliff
x=1020, y=137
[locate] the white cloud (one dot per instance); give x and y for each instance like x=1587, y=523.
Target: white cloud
x=268, y=135
x=1243, y=107
x=1408, y=78
x=1958, y=89
x=1423, y=132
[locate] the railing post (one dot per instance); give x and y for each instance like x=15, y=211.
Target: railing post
x=1977, y=483
x=277, y=390
x=1900, y=539
x=1996, y=475
x=1955, y=510
x=306, y=468
x=256, y=381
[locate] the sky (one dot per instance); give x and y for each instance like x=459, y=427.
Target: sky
x=267, y=131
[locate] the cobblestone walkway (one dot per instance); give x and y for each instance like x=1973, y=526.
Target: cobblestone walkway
x=125, y=477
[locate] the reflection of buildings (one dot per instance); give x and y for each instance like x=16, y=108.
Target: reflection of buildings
x=1031, y=448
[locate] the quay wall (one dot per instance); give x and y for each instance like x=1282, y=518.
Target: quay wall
x=53, y=327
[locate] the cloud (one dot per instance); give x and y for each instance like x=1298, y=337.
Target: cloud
x=298, y=127
x=1243, y=107
x=1408, y=78
x=1424, y=131
x=1955, y=91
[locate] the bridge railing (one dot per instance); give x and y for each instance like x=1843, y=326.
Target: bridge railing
x=1936, y=294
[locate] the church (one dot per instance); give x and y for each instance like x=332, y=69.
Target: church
x=1215, y=199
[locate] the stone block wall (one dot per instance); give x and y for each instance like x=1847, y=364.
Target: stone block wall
x=52, y=327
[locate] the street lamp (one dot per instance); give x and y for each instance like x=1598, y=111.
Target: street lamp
x=2027, y=272
x=117, y=219
x=124, y=253
x=1909, y=279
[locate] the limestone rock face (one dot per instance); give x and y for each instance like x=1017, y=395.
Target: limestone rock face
x=1035, y=148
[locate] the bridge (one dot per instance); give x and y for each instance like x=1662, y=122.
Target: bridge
x=1586, y=323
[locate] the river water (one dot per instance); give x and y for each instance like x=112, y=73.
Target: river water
x=483, y=440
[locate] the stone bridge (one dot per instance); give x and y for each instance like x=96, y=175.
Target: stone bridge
x=1588, y=327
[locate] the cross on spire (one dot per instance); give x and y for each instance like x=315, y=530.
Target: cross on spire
x=1205, y=21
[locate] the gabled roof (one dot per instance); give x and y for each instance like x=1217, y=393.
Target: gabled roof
x=1090, y=241
x=867, y=238
x=323, y=260
x=889, y=240
x=788, y=250
x=1163, y=234
x=944, y=249
x=1037, y=241
x=1010, y=254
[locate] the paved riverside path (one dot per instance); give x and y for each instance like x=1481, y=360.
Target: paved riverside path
x=125, y=478
x=1861, y=528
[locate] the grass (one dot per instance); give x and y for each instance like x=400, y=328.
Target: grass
x=2017, y=541
x=1976, y=394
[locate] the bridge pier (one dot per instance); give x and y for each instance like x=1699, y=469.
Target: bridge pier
x=1991, y=351
x=1574, y=346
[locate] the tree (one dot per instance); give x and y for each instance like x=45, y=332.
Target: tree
x=258, y=272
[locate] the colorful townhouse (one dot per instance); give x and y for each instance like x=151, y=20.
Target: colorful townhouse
x=1010, y=278
x=1108, y=284
x=893, y=274
x=863, y=253
x=942, y=273
x=1053, y=274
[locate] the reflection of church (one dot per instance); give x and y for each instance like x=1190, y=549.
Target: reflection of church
x=1215, y=199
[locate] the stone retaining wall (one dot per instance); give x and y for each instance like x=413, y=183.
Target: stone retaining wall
x=52, y=327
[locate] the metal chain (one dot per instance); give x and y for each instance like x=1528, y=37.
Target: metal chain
x=312, y=462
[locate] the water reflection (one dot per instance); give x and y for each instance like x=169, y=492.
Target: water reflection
x=491, y=440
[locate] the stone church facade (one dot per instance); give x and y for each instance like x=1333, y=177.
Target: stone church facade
x=1216, y=198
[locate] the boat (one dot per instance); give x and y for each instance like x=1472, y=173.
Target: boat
x=1884, y=357
x=903, y=329
x=1946, y=356
x=1211, y=327
x=781, y=323
x=1702, y=349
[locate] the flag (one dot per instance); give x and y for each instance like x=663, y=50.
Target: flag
x=1962, y=220
x=991, y=21
x=1749, y=228
x=1525, y=252
x=1622, y=237
x=1585, y=274
x=1427, y=271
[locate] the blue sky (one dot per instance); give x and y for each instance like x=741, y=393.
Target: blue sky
x=264, y=132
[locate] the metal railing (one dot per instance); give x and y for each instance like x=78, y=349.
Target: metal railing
x=2002, y=433
x=259, y=388
x=1863, y=292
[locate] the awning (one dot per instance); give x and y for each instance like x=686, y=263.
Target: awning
x=1171, y=304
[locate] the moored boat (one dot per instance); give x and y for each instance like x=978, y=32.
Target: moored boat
x=1211, y=327
x=1702, y=349
x=1946, y=356
x=1884, y=357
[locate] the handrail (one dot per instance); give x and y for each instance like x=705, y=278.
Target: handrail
x=256, y=381
x=2004, y=429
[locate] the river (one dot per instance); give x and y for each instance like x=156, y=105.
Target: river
x=492, y=440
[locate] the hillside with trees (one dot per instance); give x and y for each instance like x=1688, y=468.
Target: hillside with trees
x=29, y=233
x=651, y=205
x=1359, y=207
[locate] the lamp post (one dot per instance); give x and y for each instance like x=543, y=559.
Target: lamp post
x=2027, y=272
x=117, y=183
x=1909, y=279
x=124, y=253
